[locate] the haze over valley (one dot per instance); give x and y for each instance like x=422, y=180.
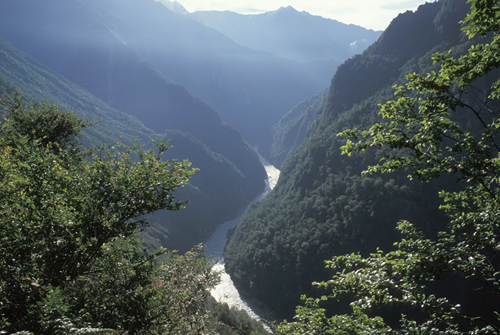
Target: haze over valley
x=184, y=81
x=247, y=99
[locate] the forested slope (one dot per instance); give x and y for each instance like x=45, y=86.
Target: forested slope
x=322, y=205
x=72, y=260
x=80, y=41
x=207, y=191
x=292, y=129
x=250, y=89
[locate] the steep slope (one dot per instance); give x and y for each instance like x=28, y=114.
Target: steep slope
x=19, y=72
x=317, y=43
x=322, y=205
x=174, y=6
x=217, y=191
x=86, y=41
x=291, y=130
x=250, y=89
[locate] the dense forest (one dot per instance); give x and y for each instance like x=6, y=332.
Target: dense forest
x=72, y=261
x=324, y=206
x=440, y=125
x=385, y=216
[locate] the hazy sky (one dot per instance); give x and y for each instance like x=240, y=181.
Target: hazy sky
x=373, y=14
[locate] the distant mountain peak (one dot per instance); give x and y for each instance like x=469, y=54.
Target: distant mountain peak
x=174, y=6
x=287, y=8
x=293, y=35
x=287, y=12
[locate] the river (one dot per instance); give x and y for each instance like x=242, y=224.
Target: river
x=225, y=291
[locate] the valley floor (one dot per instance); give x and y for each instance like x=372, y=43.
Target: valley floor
x=225, y=291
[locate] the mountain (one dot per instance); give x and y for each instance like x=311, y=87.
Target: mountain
x=250, y=89
x=317, y=44
x=292, y=129
x=174, y=6
x=20, y=72
x=323, y=206
x=217, y=191
x=291, y=34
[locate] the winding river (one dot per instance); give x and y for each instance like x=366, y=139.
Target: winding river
x=225, y=291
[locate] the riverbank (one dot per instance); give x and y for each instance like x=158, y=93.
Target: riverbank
x=225, y=291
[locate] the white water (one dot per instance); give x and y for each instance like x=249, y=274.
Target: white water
x=225, y=291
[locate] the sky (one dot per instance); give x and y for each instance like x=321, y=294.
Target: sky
x=371, y=14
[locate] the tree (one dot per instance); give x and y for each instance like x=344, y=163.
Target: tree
x=71, y=261
x=442, y=124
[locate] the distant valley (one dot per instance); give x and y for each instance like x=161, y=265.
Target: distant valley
x=225, y=87
x=175, y=78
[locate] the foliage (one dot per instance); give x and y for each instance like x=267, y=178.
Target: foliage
x=44, y=124
x=198, y=133
x=180, y=290
x=440, y=124
x=322, y=205
x=312, y=319
x=71, y=263
x=232, y=321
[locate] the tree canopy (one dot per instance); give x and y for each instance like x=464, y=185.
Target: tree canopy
x=442, y=124
x=71, y=261
x=322, y=205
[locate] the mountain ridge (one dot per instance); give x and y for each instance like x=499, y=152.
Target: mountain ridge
x=250, y=89
x=174, y=6
x=323, y=205
x=42, y=84
x=271, y=31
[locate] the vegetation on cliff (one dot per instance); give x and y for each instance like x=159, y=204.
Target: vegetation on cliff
x=443, y=124
x=72, y=262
